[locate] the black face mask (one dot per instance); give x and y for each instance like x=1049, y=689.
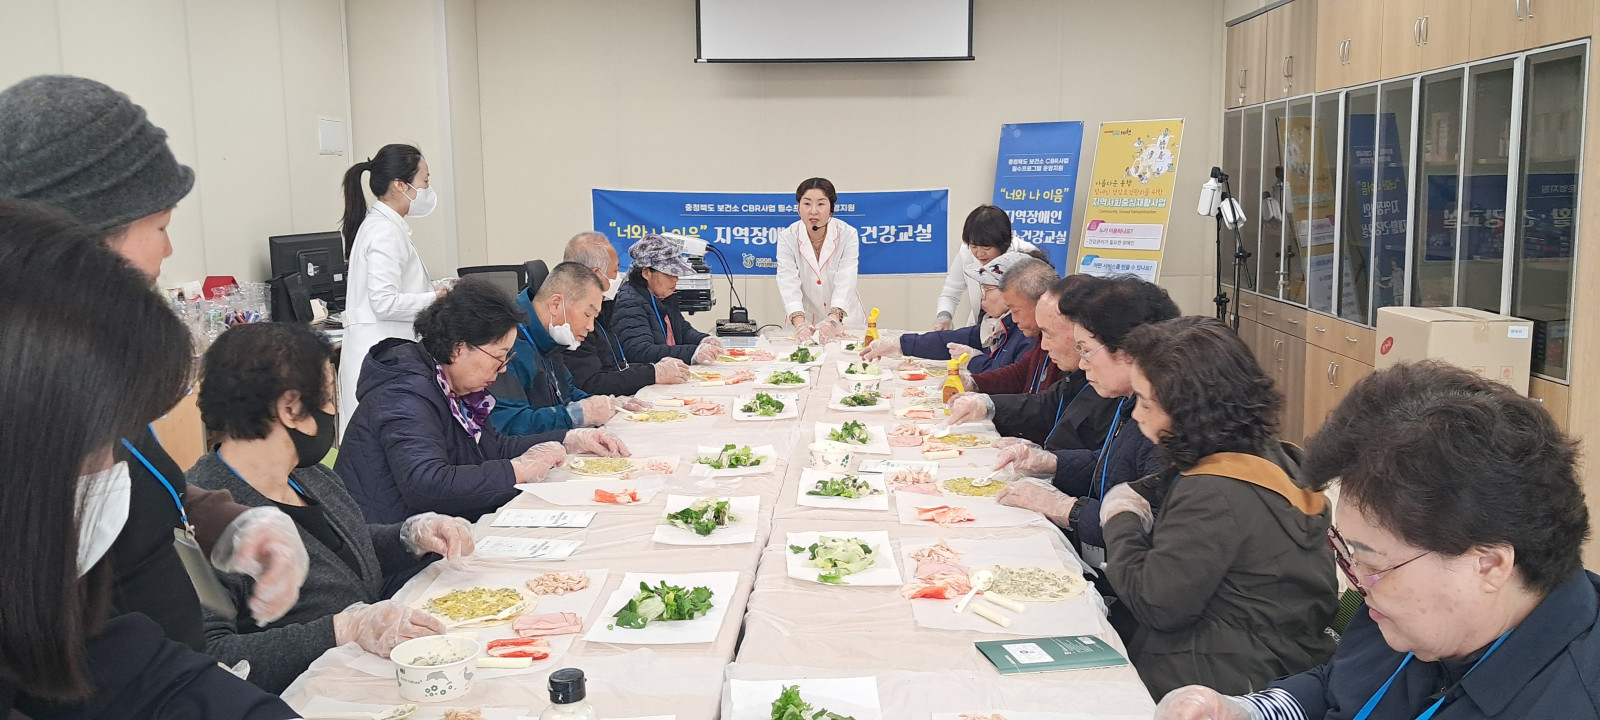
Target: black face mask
x=311, y=449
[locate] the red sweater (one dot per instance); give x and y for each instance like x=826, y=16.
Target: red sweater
x=1030, y=374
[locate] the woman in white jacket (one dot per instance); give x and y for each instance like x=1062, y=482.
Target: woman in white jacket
x=388, y=284
x=817, y=278
x=986, y=236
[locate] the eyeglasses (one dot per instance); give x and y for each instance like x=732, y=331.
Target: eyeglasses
x=1087, y=354
x=1343, y=556
x=504, y=361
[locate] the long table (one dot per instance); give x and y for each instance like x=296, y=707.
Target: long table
x=777, y=627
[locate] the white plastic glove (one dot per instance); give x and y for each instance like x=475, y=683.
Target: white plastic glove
x=957, y=350
x=1040, y=497
x=966, y=378
x=379, y=627
x=1197, y=702
x=434, y=533
x=264, y=543
x=632, y=404
x=1026, y=458
x=941, y=323
x=531, y=466
x=707, y=353
x=1124, y=498
x=969, y=407
x=829, y=329
x=881, y=348
x=594, y=440
x=802, y=329
x=597, y=410
x=671, y=371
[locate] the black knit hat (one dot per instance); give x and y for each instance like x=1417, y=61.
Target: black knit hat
x=81, y=146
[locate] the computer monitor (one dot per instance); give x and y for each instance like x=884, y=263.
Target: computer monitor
x=317, y=256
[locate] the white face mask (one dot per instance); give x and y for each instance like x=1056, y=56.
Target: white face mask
x=562, y=333
x=616, y=284
x=423, y=204
x=103, y=497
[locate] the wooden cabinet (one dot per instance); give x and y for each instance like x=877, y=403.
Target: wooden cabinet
x=1284, y=359
x=1507, y=26
x=1291, y=57
x=1554, y=396
x=1422, y=35
x=1328, y=377
x=1349, y=42
x=1246, y=58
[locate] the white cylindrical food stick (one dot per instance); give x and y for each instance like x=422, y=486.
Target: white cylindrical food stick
x=505, y=663
x=941, y=454
x=991, y=616
x=713, y=383
x=1005, y=602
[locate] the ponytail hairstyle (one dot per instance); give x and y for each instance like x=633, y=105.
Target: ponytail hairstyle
x=393, y=162
x=89, y=353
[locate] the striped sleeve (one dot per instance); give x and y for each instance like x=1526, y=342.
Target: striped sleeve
x=1271, y=704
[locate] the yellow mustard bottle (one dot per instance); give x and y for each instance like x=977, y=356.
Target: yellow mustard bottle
x=872, y=327
x=952, y=380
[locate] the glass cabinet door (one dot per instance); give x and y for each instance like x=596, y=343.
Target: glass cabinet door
x=1485, y=187
x=1232, y=127
x=1321, y=213
x=1355, y=229
x=1392, y=196
x=1552, y=134
x=1270, y=260
x=1294, y=156
x=1247, y=187
x=1433, y=254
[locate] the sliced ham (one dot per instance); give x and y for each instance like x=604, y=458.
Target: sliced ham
x=706, y=408
x=937, y=552
x=529, y=626
x=520, y=647
x=945, y=515
x=559, y=583
x=941, y=586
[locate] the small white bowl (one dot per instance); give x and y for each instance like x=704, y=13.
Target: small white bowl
x=435, y=683
x=830, y=456
x=856, y=384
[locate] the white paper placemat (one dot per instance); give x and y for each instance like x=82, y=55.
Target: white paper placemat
x=642, y=467
x=1080, y=615
x=884, y=571
x=986, y=513
x=582, y=493
x=851, y=697
x=808, y=482
x=703, y=629
x=877, y=437
x=745, y=508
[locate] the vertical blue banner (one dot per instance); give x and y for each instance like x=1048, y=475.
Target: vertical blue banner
x=901, y=232
x=1034, y=177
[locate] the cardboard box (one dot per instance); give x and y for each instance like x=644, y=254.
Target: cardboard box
x=1492, y=345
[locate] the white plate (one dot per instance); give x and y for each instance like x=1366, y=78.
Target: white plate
x=703, y=629
x=885, y=572
x=808, y=482
x=791, y=407
x=850, y=697
x=747, y=510
x=882, y=374
x=768, y=463
x=877, y=438
x=783, y=362
x=838, y=394
x=763, y=379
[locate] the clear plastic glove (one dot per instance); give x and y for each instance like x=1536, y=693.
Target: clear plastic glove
x=434, y=533
x=632, y=404
x=957, y=350
x=1026, y=458
x=1197, y=702
x=1040, y=497
x=597, y=410
x=941, y=323
x=379, y=627
x=802, y=329
x=969, y=407
x=966, y=378
x=671, y=371
x=707, y=353
x=596, y=441
x=1124, y=498
x=881, y=348
x=264, y=543
x=829, y=329
x=714, y=340
x=531, y=466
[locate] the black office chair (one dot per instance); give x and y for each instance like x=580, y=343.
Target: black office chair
x=511, y=278
x=536, y=271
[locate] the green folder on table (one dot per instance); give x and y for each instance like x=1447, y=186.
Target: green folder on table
x=1037, y=655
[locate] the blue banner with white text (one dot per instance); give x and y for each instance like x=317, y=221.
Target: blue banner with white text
x=901, y=232
x=1034, y=178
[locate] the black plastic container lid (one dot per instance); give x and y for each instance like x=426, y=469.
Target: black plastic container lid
x=567, y=686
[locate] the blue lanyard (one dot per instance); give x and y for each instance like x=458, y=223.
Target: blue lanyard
x=176, y=499
x=1038, y=377
x=1105, y=449
x=659, y=318
x=550, y=377
x=292, y=483
x=622, y=362
x=1062, y=404
x=1366, y=710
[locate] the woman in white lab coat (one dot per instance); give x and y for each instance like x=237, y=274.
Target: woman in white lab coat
x=985, y=236
x=388, y=284
x=817, y=265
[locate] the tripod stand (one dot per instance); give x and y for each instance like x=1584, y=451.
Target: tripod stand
x=1229, y=216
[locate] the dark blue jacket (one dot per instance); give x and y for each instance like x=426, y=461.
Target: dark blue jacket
x=639, y=322
x=1126, y=455
x=1548, y=667
x=601, y=367
x=404, y=453
x=932, y=345
x=532, y=396
x=1068, y=415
